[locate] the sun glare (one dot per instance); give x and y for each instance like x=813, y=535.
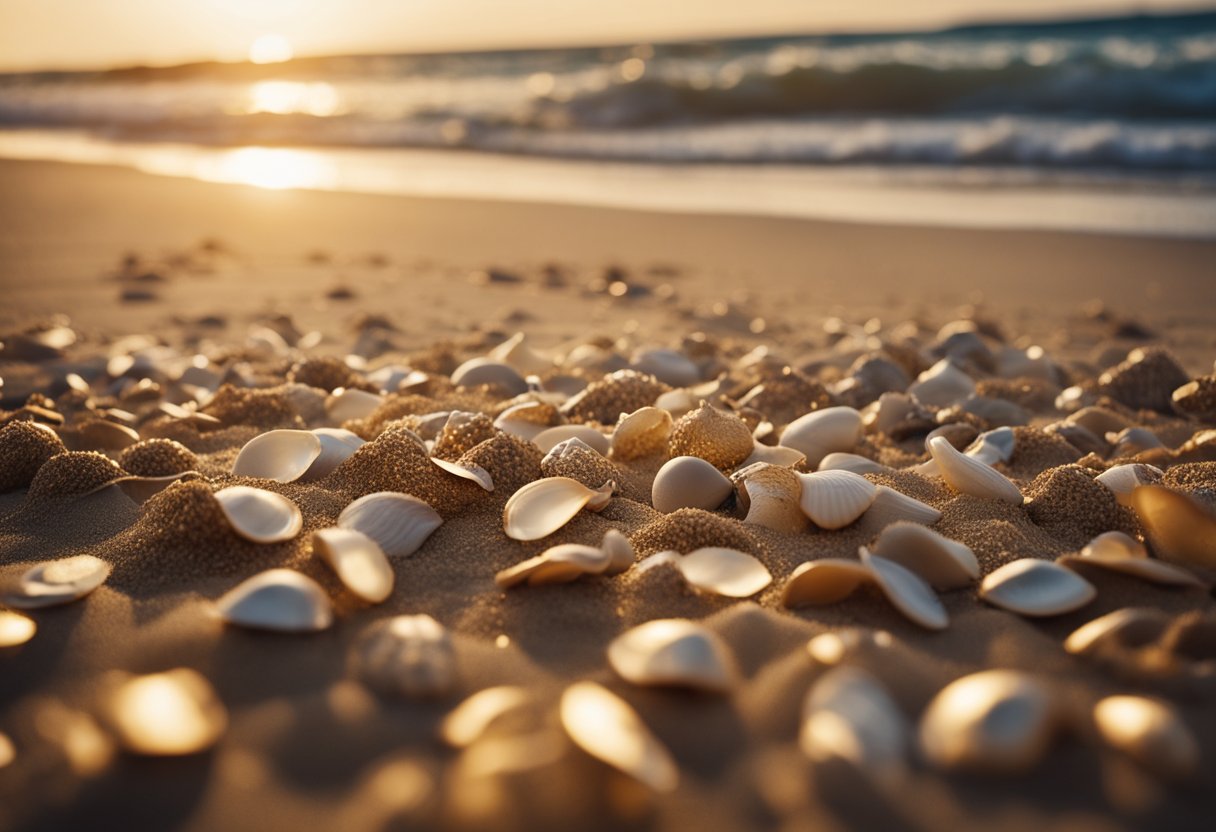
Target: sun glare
x=270, y=49
x=270, y=168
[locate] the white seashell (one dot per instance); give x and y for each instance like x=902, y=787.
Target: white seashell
x=345, y=404
x=906, y=591
x=993, y=446
x=890, y=411
x=834, y=499
x=677, y=402
x=774, y=455
x=1120, y=553
x=822, y=432
x=891, y=506
x=1031, y=363
x=1124, y=479
x=1132, y=625
x=478, y=371
x=673, y=652
x=664, y=558
x=851, y=462
x=848, y=715
x=770, y=495
x=1150, y=732
x=556, y=565
x=1036, y=588
x=408, y=655
x=166, y=714
x=15, y=628
x=689, y=482
x=942, y=385
x=519, y=420
x=619, y=551
x=280, y=600
x=279, y=455
x=259, y=515
x=473, y=473
x=187, y=414
x=725, y=572
x=55, y=582
x=944, y=563
x=391, y=377
x=643, y=432
x=430, y=425
x=995, y=720
x=549, y=437
x=668, y=366
x=1178, y=529
x=469, y=720
x=603, y=725
x=337, y=446
x=517, y=354
x=824, y=581
x=358, y=561
x=970, y=476
x=542, y=507
x=399, y=523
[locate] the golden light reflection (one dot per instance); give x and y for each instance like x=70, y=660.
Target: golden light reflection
x=270, y=49
x=170, y=713
x=286, y=97
x=269, y=167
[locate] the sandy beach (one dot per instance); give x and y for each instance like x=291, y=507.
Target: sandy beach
x=197, y=268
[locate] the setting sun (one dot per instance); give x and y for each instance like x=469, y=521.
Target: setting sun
x=270, y=49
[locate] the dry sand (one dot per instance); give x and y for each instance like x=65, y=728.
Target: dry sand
x=308, y=748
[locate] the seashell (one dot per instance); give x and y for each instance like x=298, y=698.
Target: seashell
x=592, y=357
x=259, y=515
x=1036, y=588
x=619, y=551
x=970, y=476
x=556, y=565
x=851, y=462
x=526, y=419
x=848, y=715
x=996, y=411
x=834, y=499
x=408, y=655
x=770, y=495
x=279, y=455
x=824, y=581
x=55, y=582
x=478, y=371
x=393, y=377
x=822, y=432
x=603, y=725
x=15, y=628
x=1031, y=363
x=891, y=506
x=337, y=445
x=1120, y=553
x=187, y=414
x=399, y=523
x=906, y=591
x=468, y=721
x=1132, y=441
x=689, y=482
x=550, y=437
x=677, y=402
x=995, y=720
x=942, y=385
x=726, y=572
x=668, y=366
x=993, y=446
x=774, y=455
x=543, y=506
x=673, y=652
x=1124, y=479
x=348, y=403
x=892, y=410
x=281, y=600
x=1131, y=625
x=643, y=432
x=1150, y=732
x=1178, y=529
x=722, y=439
x=468, y=471
x=358, y=561
x=166, y=714
x=517, y=354
x=104, y=435
x=944, y=563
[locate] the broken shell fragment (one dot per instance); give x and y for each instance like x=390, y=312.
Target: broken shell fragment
x=641, y=433
x=548, y=438
x=824, y=581
x=166, y=714
x=15, y=628
x=473, y=473
x=971, y=476
x=1150, y=732
x=944, y=563
x=906, y=591
x=724, y=572
x=399, y=523
x=543, y=506
x=834, y=499
x=408, y=655
x=773, y=455
x=770, y=495
x=55, y=582
x=556, y=565
x=1124, y=479
x=689, y=482
x=1178, y=529
x=259, y=515
x=822, y=432
x=848, y=715
x=357, y=560
x=1037, y=588
x=279, y=455
x=673, y=652
x=603, y=725
x=280, y=600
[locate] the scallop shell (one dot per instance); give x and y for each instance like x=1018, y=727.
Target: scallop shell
x=1135, y=626
x=1124, y=479
x=770, y=496
x=603, y=725
x=556, y=565
x=408, y=655
x=944, y=563
x=468, y=471
x=478, y=371
x=1036, y=588
x=279, y=455
x=519, y=355
x=834, y=499
x=278, y=599
x=543, y=506
x=848, y=715
x=337, y=445
x=1150, y=732
x=995, y=720
x=822, y=432
x=942, y=385
x=689, y=482
x=824, y=581
x=1178, y=529
x=851, y=462
x=399, y=523
x=673, y=652
x=1120, y=553
x=643, y=432
x=259, y=515
x=358, y=561
x=15, y=628
x=166, y=714
x=724, y=572
x=548, y=438
x=906, y=591
x=55, y=582
x=970, y=476
x=347, y=403
x=891, y=506
x=773, y=455
x=468, y=721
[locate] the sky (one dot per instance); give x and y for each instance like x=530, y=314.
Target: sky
x=37, y=34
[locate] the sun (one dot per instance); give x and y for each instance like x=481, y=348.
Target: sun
x=270, y=49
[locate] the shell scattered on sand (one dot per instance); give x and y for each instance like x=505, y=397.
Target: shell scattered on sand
x=891, y=506
x=280, y=600
x=724, y=571
x=848, y=715
x=1118, y=552
x=406, y=655
x=607, y=728
x=473, y=473
x=906, y=591
x=469, y=720
x=1131, y=624
x=569, y=561
x=1124, y=479
x=15, y=628
x=834, y=499
x=689, y=482
x=347, y=404
x=279, y=455
x=167, y=714
x=543, y=506
x=56, y=582
x=944, y=563
x=259, y=515
x=644, y=432
x=673, y=653
x=821, y=432
x=549, y=438
x=398, y=523
x=1149, y=731
x=971, y=476
x=770, y=496
x=1036, y=588
x=357, y=560
x=1178, y=529
x=824, y=581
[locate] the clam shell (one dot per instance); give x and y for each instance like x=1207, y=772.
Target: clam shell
x=724, y=572
x=478, y=371
x=891, y=506
x=337, y=445
x=770, y=495
x=689, y=482
x=1036, y=588
x=822, y=432
x=834, y=499
x=523, y=420
x=166, y=714
x=824, y=581
x=357, y=560
x=345, y=404
x=603, y=725
x=673, y=652
x=15, y=628
x=1178, y=529
x=556, y=565
x=1120, y=553
x=543, y=506
x=473, y=473
x=55, y=582
x=993, y=446
x=906, y=591
x=1124, y=479
x=468, y=721
x=519, y=355
x=619, y=551
x=995, y=720
x=399, y=523
x=1132, y=625
x=1150, y=732
x=851, y=462
x=774, y=455
x=677, y=402
x=970, y=476
x=259, y=515
x=641, y=433
x=548, y=438
x=278, y=599
x=944, y=563
x=409, y=655
x=848, y=715
x=942, y=385
x=668, y=366
x=279, y=455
